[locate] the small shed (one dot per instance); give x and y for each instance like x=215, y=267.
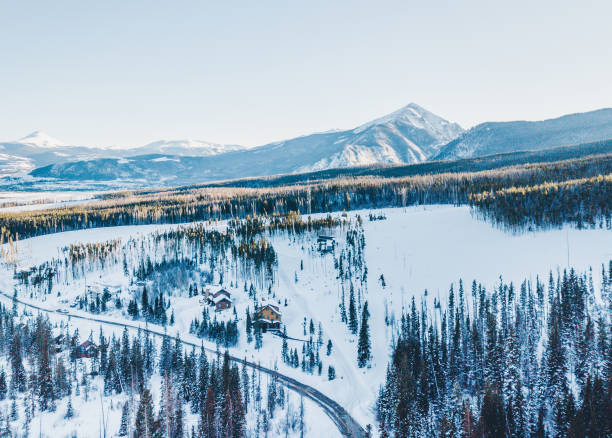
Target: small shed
x=326, y=243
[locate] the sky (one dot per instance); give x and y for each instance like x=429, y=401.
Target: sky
x=117, y=73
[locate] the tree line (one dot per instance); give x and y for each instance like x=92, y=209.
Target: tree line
x=585, y=203
x=213, y=203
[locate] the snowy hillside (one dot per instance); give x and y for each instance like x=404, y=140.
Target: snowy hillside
x=388, y=259
x=495, y=137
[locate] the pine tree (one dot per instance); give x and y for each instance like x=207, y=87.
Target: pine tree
x=69, y=411
x=364, y=347
x=352, y=317
x=301, y=424
x=125, y=419
x=145, y=426
x=177, y=423
x=249, y=326
x=284, y=347
x=45, y=379
x=492, y=423
x=258, y=337
x=145, y=303
x=343, y=316
x=3, y=387
x=206, y=426
x=14, y=414
x=18, y=375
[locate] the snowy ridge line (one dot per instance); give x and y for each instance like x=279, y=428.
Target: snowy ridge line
x=347, y=425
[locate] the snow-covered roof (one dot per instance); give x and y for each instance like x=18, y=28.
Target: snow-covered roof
x=220, y=298
x=274, y=307
x=222, y=292
x=88, y=344
x=213, y=288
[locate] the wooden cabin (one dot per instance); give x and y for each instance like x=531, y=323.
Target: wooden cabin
x=268, y=316
x=222, y=302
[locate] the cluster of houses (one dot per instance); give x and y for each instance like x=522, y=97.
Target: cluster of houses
x=268, y=315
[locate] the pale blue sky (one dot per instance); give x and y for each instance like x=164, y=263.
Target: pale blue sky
x=127, y=72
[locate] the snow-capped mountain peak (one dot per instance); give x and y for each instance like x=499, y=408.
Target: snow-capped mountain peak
x=41, y=139
x=419, y=118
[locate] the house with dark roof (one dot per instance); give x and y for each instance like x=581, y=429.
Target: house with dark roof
x=222, y=302
x=86, y=350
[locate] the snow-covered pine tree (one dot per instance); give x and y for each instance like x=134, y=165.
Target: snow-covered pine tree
x=353, y=322
x=125, y=419
x=69, y=410
x=363, y=346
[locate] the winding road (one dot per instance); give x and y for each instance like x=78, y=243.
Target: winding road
x=346, y=424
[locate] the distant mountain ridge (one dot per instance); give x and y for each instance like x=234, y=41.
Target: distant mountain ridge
x=186, y=147
x=408, y=135
x=411, y=134
x=495, y=137
x=39, y=149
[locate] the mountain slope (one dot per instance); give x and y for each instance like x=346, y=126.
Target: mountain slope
x=409, y=135
x=496, y=137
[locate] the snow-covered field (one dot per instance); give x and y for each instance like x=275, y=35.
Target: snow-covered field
x=15, y=201
x=416, y=248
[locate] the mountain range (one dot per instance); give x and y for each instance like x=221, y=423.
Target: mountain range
x=38, y=149
x=411, y=134
x=495, y=137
